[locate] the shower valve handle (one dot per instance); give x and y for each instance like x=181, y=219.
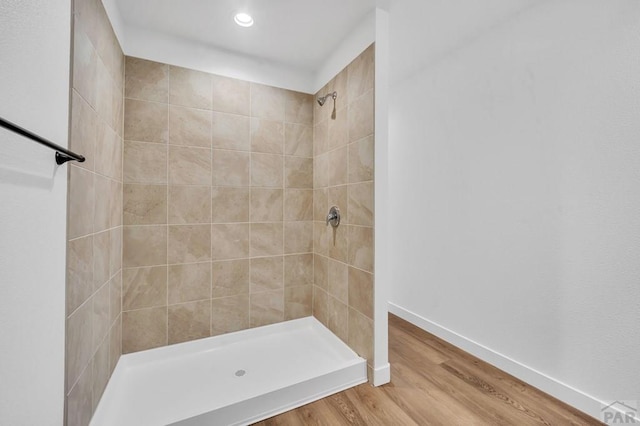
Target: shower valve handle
x=333, y=217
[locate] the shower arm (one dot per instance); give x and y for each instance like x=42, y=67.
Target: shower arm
x=322, y=99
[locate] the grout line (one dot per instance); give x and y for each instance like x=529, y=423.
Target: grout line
x=349, y=214
x=211, y=189
x=250, y=184
x=166, y=342
x=284, y=203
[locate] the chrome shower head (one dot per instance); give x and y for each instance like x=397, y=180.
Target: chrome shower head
x=323, y=99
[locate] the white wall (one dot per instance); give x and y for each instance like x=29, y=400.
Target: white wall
x=381, y=368
x=172, y=50
x=515, y=187
x=34, y=89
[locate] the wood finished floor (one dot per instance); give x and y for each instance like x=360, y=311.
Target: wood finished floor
x=435, y=383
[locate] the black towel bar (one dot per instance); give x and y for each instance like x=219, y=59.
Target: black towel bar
x=62, y=154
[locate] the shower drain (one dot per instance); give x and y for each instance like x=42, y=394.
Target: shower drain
x=240, y=373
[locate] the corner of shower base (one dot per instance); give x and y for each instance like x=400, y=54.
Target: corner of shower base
x=282, y=400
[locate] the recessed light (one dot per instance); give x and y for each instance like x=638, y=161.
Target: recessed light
x=243, y=19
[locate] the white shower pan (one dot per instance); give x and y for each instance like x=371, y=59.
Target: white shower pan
x=234, y=379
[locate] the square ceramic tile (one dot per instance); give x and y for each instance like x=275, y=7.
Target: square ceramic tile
x=321, y=138
x=298, y=270
x=229, y=314
x=361, y=160
x=361, y=291
x=146, y=121
x=267, y=102
x=79, y=283
x=320, y=272
x=361, y=335
x=298, y=140
x=144, y=287
x=145, y=163
x=267, y=308
x=190, y=88
x=266, y=170
x=266, y=239
x=298, y=172
x=338, y=135
x=298, y=205
x=337, y=278
x=267, y=136
x=79, y=399
x=189, y=126
x=102, y=204
x=266, y=205
x=360, y=73
x=230, y=278
x=267, y=273
x=298, y=302
x=361, y=247
x=320, y=305
x=108, y=152
x=84, y=129
x=299, y=107
x=231, y=95
x=101, y=258
x=361, y=117
x=230, y=204
x=115, y=297
x=338, y=318
x=145, y=204
x=189, y=321
x=231, y=131
x=81, y=202
x=338, y=243
x=320, y=204
x=189, y=204
x=189, y=243
x=338, y=173
x=188, y=283
x=79, y=342
x=85, y=63
x=189, y=166
x=231, y=168
x=321, y=171
x=144, y=245
x=229, y=241
x=298, y=237
x=146, y=80
x=144, y=329
x=361, y=204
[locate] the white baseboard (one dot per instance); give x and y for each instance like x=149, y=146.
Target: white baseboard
x=557, y=389
x=382, y=375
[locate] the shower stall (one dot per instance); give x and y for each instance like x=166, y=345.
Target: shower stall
x=208, y=266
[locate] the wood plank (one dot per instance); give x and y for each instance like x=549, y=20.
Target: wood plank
x=426, y=404
x=516, y=390
x=375, y=410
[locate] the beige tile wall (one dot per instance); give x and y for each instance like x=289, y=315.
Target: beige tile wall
x=218, y=205
x=94, y=250
x=343, y=176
